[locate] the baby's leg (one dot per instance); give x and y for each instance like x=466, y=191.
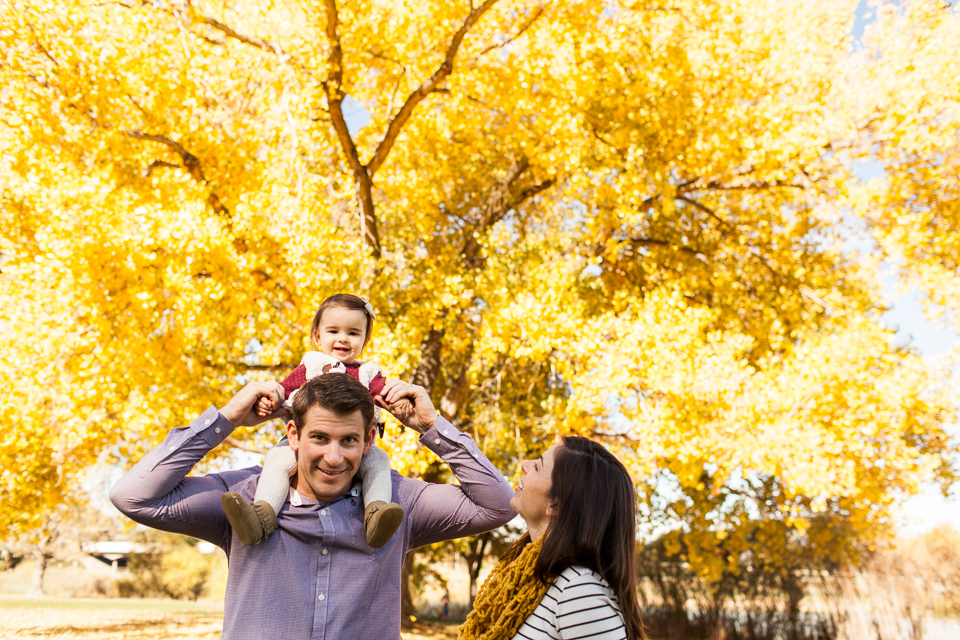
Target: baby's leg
x=375, y=472
x=253, y=523
x=381, y=516
x=274, y=485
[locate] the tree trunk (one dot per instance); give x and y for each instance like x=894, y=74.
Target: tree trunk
x=426, y=373
x=457, y=393
x=475, y=562
x=408, y=612
x=39, y=568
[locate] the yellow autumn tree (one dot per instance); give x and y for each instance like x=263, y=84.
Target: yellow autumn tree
x=624, y=220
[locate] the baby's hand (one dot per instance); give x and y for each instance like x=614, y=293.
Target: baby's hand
x=402, y=409
x=264, y=407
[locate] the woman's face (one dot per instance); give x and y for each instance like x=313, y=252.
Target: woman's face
x=531, y=499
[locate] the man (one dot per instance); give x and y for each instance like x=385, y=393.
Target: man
x=316, y=576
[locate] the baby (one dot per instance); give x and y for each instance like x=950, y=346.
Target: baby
x=341, y=329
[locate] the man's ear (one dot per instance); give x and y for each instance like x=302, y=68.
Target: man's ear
x=370, y=439
x=292, y=436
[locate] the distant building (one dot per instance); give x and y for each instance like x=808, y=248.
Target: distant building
x=113, y=553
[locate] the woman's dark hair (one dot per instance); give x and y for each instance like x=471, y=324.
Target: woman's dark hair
x=595, y=524
x=341, y=301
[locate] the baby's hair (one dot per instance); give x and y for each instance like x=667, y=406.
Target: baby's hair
x=341, y=301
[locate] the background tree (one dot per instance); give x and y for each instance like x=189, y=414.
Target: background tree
x=628, y=221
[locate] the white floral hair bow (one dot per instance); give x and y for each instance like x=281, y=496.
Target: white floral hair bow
x=369, y=307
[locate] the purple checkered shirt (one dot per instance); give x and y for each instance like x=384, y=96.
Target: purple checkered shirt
x=315, y=577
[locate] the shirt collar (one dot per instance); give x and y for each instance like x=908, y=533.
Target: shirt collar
x=298, y=500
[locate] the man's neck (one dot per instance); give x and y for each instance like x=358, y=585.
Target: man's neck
x=304, y=491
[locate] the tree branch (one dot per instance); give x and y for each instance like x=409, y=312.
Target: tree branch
x=664, y=243
x=259, y=43
x=496, y=207
x=753, y=250
x=268, y=367
x=529, y=23
x=526, y=194
x=158, y=164
x=752, y=186
x=236, y=444
x=190, y=162
x=425, y=89
x=333, y=88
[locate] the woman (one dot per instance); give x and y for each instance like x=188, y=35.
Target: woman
x=573, y=574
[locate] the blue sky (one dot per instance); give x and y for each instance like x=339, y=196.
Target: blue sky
x=906, y=316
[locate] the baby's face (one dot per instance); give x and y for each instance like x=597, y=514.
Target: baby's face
x=342, y=333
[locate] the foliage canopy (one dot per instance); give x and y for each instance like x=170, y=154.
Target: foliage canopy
x=625, y=220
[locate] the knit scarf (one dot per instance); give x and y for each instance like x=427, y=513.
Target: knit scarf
x=506, y=599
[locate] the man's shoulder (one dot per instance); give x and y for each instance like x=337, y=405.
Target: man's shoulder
x=401, y=480
x=408, y=489
x=243, y=481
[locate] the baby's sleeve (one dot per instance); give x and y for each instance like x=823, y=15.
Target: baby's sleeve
x=295, y=380
x=376, y=385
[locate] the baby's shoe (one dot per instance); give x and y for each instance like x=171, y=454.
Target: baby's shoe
x=381, y=520
x=252, y=523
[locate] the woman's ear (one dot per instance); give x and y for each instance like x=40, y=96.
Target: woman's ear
x=552, y=509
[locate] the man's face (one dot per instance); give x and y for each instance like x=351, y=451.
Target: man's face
x=329, y=449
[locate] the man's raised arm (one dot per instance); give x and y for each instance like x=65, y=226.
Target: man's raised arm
x=157, y=492
x=442, y=511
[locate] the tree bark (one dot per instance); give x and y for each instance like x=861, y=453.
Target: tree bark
x=475, y=562
x=40, y=559
x=426, y=373
x=408, y=612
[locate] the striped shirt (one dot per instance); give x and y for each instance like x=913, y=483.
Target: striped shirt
x=579, y=604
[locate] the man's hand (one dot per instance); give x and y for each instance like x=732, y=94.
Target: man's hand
x=397, y=397
x=241, y=411
x=266, y=406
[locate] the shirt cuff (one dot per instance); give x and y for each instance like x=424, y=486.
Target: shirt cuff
x=211, y=426
x=443, y=437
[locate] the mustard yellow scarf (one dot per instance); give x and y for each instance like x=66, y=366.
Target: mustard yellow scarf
x=507, y=598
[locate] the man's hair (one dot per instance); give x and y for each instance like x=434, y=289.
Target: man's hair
x=341, y=301
x=338, y=393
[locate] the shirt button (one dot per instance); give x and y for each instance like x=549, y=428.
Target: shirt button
x=217, y=430
x=323, y=512
x=324, y=552
x=320, y=597
x=437, y=441
x=443, y=432
x=206, y=421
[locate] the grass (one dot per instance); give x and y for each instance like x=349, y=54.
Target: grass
x=100, y=619
x=123, y=619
